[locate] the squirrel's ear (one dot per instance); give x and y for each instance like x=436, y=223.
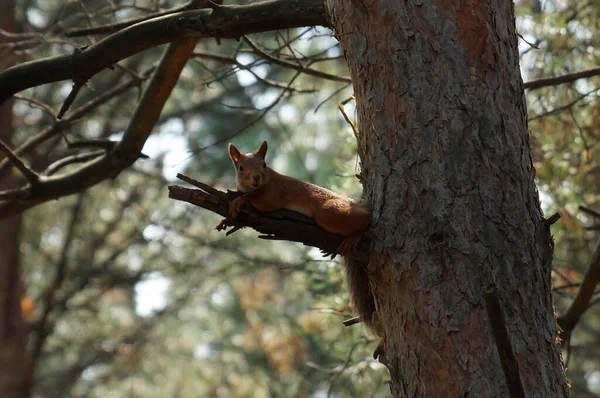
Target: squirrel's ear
x=262, y=150
x=234, y=153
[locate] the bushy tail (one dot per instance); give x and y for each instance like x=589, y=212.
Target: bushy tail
x=361, y=296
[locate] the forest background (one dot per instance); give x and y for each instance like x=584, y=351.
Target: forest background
x=129, y=293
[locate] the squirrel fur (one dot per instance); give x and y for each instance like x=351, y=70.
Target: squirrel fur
x=266, y=190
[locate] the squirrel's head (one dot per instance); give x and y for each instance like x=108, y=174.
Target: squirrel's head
x=250, y=168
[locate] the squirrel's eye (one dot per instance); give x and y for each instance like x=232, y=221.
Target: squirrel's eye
x=241, y=168
x=264, y=165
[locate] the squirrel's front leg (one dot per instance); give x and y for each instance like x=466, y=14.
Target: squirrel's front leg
x=236, y=206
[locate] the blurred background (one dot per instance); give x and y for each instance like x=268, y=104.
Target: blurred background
x=129, y=293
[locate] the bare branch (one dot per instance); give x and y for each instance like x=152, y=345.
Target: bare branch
x=111, y=28
x=297, y=66
x=79, y=158
x=28, y=173
x=21, y=193
x=589, y=211
x=555, y=81
x=37, y=104
x=43, y=327
x=76, y=114
x=77, y=85
x=128, y=150
x=580, y=304
x=222, y=22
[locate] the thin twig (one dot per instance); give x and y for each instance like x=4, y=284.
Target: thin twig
x=350, y=122
x=563, y=107
x=130, y=146
x=343, y=368
x=79, y=158
x=202, y=185
x=331, y=96
x=300, y=68
x=77, y=85
x=37, y=104
x=233, y=61
x=25, y=170
x=17, y=193
x=251, y=123
x=532, y=45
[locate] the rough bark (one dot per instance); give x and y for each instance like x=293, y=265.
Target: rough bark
x=461, y=263
x=12, y=327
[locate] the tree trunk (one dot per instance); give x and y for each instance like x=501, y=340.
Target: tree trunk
x=461, y=262
x=13, y=335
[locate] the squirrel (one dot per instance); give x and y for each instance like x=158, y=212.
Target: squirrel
x=267, y=191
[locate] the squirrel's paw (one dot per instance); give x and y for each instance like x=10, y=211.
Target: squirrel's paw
x=223, y=225
x=379, y=354
x=236, y=206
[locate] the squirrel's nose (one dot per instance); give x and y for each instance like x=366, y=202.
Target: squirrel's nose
x=256, y=178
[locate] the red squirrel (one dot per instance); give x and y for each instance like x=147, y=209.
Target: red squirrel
x=267, y=190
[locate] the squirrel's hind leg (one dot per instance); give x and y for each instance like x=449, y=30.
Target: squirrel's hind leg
x=343, y=217
x=350, y=244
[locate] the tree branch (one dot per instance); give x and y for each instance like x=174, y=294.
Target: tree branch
x=593, y=213
x=77, y=85
x=44, y=327
x=278, y=225
x=29, y=174
x=555, y=81
x=64, y=162
x=569, y=319
x=75, y=115
x=111, y=28
x=127, y=151
x=589, y=211
x=221, y=22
